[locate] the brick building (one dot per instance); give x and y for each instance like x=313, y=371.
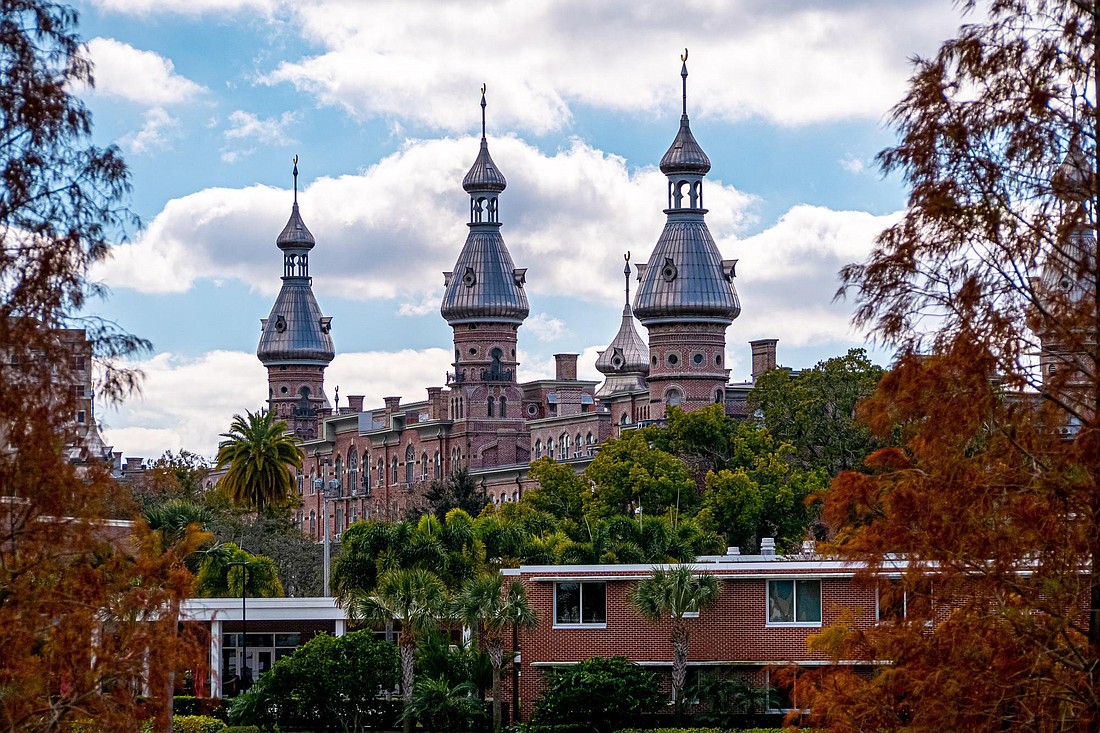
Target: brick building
x=377, y=462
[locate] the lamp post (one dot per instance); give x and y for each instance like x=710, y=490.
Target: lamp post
x=326, y=487
x=244, y=620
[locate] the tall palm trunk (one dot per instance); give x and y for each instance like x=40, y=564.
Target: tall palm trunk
x=408, y=656
x=496, y=658
x=679, y=664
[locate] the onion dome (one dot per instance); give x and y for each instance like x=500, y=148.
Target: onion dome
x=686, y=277
x=485, y=284
x=1073, y=180
x=295, y=331
x=626, y=360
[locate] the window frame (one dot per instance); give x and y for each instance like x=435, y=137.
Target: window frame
x=794, y=622
x=580, y=624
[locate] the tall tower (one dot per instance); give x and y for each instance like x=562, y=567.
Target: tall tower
x=295, y=344
x=686, y=297
x=485, y=305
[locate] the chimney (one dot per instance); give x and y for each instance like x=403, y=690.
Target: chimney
x=767, y=547
x=392, y=404
x=731, y=551
x=565, y=366
x=763, y=356
x=355, y=402
x=134, y=465
x=435, y=403
x=809, y=547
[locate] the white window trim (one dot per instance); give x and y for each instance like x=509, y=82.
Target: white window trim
x=580, y=624
x=768, y=623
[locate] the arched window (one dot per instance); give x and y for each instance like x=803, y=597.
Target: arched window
x=410, y=464
x=673, y=397
x=381, y=472
x=494, y=367
x=393, y=471
x=438, y=466
x=538, y=449
x=490, y=407
x=312, y=483
x=301, y=484
x=588, y=440
x=353, y=470
x=503, y=496
x=563, y=443
x=313, y=524
x=515, y=496
x=550, y=447
x=503, y=407
x=424, y=465
x=577, y=444
x=719, y=396
x=624, y=419
x=338, y=474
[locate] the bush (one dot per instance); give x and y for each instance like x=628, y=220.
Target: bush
x=189, y=705
x=241, y=729
x=197, y=724
x=599, y=693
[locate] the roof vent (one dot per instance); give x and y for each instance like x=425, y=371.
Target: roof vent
x=809, y=547
x=733, y=551
x=767, y=547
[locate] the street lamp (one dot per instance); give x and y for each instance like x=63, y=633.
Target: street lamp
x=243, y=650
x=326, y=488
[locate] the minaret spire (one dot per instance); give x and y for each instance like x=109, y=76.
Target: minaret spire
x=295, y=180
x=684, y=76
x=626, y=274
x=482, y=110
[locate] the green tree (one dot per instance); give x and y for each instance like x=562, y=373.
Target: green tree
x=559, y=491
x=457, y=490
x=329, y=679
x=815, y=411
x=598, y=694
x=760, y=493
x=632, y=471
x=418, y=598
x=297, y=558
x=259, y=453
x=485, y=604
x=171, y=477
x=219, y=577
x=669, y=594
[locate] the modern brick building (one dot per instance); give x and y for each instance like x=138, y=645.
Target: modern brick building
x=377, y=462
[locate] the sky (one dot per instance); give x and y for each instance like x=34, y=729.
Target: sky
x=210, y=100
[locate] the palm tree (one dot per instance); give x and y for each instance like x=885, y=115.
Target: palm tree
x=259, y=452
x=673, y=593
x=221, y=574
x=415, y=596
x=483, y=603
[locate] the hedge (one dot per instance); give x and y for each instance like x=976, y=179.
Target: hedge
x=197, y=724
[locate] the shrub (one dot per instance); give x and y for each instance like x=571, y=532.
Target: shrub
x=596, y=694
x=241, y=729
x=197, y=724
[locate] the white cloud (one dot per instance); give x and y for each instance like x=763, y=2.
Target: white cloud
x=545, y=327
x=144, y=77
x=271, y=130
x=791, y=64
x=568, y=217
x=801, y=254
x=185, y=7
x=852, y=164
x=198, y=397
x=156, y=131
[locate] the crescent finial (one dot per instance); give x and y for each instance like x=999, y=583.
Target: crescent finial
x=684, y=58
x=627, y=256
x=482, y=88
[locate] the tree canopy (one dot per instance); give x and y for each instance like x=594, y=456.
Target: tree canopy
x=259, y=453
x=988, y=288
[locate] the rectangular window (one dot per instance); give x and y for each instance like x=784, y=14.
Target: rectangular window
x=794, y=602
x=580, y=603
x=81, y=416
x=893, y=602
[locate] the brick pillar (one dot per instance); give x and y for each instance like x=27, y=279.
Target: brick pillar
x=763, y=356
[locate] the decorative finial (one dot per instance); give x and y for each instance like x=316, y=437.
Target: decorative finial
x=482, y=110
x=295, y=179
x=338, y=399
x=1073, y=101
x=626, y=275
x=684, y=76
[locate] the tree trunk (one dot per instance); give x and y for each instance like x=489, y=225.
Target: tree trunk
x=496, y=658
x=679, y=664
x=408, y=656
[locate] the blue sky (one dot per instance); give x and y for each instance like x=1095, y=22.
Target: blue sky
x=211, y=99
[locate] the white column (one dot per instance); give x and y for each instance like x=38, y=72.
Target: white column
x=341, y=626
x=215, y=658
